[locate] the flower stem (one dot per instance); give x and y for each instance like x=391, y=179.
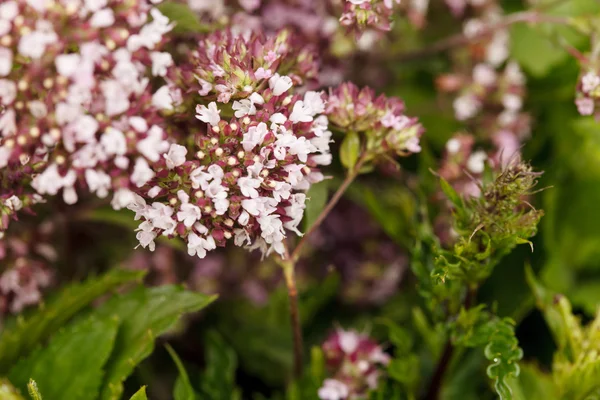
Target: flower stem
x=352, y=174
x=290, y=280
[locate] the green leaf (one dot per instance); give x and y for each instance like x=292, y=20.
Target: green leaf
x=451, y=194
x=70, y=367
x=26, y=335
x=146, y=313
x=140, y=394
x=317, y=199
x=183, y=388
x=350, y=150
x=32, y=388
x=218, y=380
x=185, y=19
x=533, y=51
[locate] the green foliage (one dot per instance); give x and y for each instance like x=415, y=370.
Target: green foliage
x=186, y=21
x=146, y=313
x=317, y=196
x=576, y=364
x=183, y=388
x=140, y=394
x=90, y=356
x=27, y=334
x=76, y=356
x=490, y=226
x=478, y=328
x=218, y=379
x=350, y=150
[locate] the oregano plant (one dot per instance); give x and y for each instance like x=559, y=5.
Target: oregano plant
x=299, y=199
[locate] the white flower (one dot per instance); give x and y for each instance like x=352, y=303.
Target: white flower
x=154, y=144
x=301, y=113
x=247, y=106
x=113, y=141
x=210, y=115
x=122, y=198
x=138, y=206
x=466, y=107
x=176, y=156
x=139, y=124
x=453, y=146
x=189, y=214
x=160, y=62
x=6, y=61
x=314, y=102
x=146, y=235
x=484, y=75
x=512, y=102
x=589, y=82
x=348, y=341
x=476, y=162
x=199, y=246
x=85, y=128
x=141, y=172
x=254, y=136
x=34, y=43
x=280, y=84
x=161, y=217
x=248, y=186
x=98, y=182
x=13, y=203
x=162, y=99
x=102, y=18
x=8, y=124
x=333, y=389
x=37, y=108
x=9, y=10
x=8, y=91
x=115, y=96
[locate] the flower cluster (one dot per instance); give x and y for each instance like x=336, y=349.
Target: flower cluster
x=229, y=65
x=354, y=362
x=381, y=120
x=24, y=267
x=78, y=109
x=359, y=14
x=588, y=93
x=246, y=177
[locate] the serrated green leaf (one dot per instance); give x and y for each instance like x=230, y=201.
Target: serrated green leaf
x=350, y=150
x=146, y=313
x=186, y=21
x=140, y=394
x=70, y=367
x=183, y=388
x=317, y=199
x=17, y=342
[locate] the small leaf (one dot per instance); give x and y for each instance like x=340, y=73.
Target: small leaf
x=183, y=388
x=184, y=18
x=317, y=199
x=140, y=394
x=146, y=313
x=451, y=194
x=24, y=337
x=70, y=367
x=350, y=150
